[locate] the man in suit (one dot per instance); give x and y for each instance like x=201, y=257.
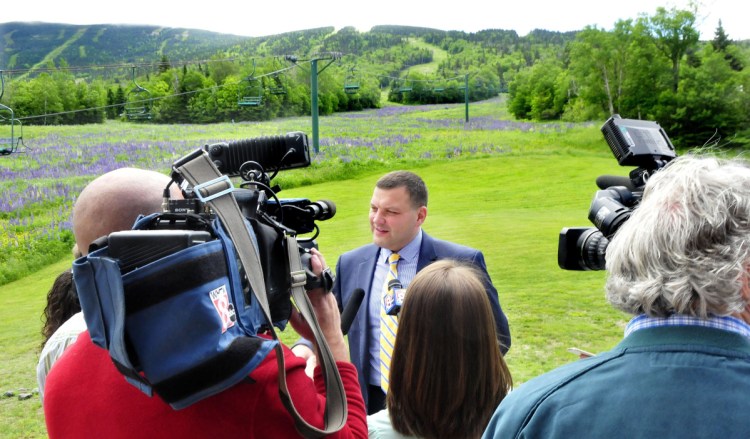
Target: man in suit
x=681, y=266
x=397, y=211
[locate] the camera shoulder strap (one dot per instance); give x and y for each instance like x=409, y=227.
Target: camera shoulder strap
x=216, y=190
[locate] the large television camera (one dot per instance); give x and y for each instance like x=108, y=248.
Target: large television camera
x=180, y=301
x=634, y=143
x=186, y=222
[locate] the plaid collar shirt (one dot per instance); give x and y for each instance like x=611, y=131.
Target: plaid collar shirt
x=726, y=323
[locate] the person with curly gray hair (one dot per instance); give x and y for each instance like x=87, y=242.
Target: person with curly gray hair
x=681, y=266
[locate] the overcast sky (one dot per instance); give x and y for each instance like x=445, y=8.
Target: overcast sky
x=260, y=18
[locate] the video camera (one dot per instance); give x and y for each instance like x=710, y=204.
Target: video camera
x=184, y=302
x=187, y=222
x=634, y=143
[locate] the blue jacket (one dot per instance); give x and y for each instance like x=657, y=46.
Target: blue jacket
x=356, y=268
x=665, y=382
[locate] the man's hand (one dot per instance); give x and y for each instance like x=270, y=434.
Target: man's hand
x=327, y=314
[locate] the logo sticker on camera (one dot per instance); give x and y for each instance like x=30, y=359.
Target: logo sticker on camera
x=224, y=308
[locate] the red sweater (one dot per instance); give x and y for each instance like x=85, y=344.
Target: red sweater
x=86, y=397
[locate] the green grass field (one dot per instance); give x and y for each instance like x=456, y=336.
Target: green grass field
x=511, y=204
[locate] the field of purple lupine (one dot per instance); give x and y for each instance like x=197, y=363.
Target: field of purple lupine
x=39, y=183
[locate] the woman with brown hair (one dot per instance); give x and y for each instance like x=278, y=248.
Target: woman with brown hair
x=447, y=374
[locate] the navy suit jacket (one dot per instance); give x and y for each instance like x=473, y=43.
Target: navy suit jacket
x=356, y=268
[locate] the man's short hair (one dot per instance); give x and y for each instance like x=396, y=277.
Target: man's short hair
x=412, y=182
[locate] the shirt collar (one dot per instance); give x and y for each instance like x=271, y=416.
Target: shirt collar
x=726, y=323
x=410, y=252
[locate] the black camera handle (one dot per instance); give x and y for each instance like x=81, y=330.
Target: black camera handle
x=215, y=189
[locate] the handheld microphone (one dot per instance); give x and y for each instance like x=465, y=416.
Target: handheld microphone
x=351, y=308
x=607, y=181
x=394, y=298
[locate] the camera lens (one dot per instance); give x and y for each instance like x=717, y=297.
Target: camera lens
x=593, y=247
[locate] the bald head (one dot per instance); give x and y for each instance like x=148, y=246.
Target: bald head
x=113, y=201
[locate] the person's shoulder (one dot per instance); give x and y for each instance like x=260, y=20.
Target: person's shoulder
x=520, y=402
x=442, y=246
x=379, y=426
x=365, y=251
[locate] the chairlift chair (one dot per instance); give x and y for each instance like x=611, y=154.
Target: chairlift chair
x=351, y=82
x=277, y=86
x=406, y=86
x=138, y=105
x=9, y=144
x=251, y=94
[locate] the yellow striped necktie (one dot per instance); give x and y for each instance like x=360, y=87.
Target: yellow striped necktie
x=388, y=326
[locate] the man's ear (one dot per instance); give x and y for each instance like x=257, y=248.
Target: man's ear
x=421, y=215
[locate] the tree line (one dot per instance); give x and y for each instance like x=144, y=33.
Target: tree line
x=652, y=67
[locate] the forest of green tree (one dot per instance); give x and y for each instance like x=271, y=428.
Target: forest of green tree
x=651, y=67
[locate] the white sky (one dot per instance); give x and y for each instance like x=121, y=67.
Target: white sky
x=260, y=18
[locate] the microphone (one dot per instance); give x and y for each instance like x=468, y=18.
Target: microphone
x=607, y=181
x=351, y=308
x=394, y=298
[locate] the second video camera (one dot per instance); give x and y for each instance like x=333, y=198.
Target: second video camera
x=634, y=143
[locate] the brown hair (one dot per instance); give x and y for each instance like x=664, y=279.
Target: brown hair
x=447, y=372
x=62, y=303
x=410, y=181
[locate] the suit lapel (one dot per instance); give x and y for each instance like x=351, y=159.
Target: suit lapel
x=363, y=271
x=427, y=253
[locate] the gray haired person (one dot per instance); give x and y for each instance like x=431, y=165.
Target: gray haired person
x=680, y=266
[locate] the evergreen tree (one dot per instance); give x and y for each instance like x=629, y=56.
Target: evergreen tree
x=111, y=105
x=120, y=100
x=721, y=43
x=164, y=64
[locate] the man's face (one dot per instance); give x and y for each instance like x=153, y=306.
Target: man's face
x=393, y=220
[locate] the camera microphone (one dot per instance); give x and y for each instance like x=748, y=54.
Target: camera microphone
x=351, y=308
x=289, y=151
x=607, y=181
x=321, y=210
x=394, y=297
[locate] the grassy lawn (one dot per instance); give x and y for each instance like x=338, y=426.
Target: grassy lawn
x=505, y=190
x=438, y=55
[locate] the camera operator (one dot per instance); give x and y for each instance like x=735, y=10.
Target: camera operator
x=87, y=396
x=109, y=203
x=681, y=266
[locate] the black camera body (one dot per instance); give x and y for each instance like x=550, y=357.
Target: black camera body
x=634, y=143
x=186, y=222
